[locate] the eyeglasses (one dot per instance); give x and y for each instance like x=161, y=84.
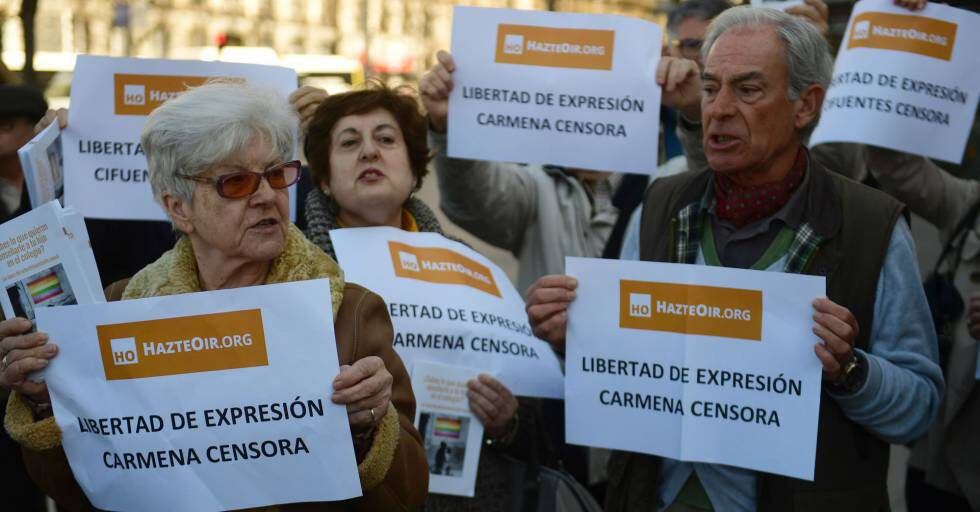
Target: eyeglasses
x=241, y=184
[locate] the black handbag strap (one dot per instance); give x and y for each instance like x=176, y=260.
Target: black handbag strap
x=957, y=238
x=540, y=440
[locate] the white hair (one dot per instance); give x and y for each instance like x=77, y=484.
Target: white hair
x=808, y=59
x=207, y=125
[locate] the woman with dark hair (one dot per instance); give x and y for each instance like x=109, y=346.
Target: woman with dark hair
x=368, y=152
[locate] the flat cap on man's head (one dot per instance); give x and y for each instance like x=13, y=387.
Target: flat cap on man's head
x=20, y=100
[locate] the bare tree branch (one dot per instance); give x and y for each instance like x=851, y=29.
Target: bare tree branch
x=28, y=13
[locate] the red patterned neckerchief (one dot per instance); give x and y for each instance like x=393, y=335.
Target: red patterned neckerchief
x=742, y=205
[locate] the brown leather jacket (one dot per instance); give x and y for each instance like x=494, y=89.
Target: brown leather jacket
x=362, y=328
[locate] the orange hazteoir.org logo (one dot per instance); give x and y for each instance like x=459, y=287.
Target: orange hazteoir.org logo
x=555, y=47
x=905, y=33
x=691, y=309
x=138, y=95
x=188, y=344
x=439, y=265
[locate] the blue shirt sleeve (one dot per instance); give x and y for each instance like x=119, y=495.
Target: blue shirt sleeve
x=631, y=239
x=904, y=385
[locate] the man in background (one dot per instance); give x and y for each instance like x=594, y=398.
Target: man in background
x=20, y=108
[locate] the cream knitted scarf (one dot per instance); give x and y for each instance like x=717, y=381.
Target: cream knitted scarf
x=176, y=271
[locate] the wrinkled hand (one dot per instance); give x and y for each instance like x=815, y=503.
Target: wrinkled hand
x=305, y=100
x=24, y=352
x=815, y=12
x=61, y=115
x=434, y=89
x=681, y=83
x=973, y=316
x=838, y=329
x=492, y=403
x=363, y=386
x=912, y=5
x=547, y=308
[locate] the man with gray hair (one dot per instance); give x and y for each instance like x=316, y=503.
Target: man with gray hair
x=687, y=26
x=763, y=203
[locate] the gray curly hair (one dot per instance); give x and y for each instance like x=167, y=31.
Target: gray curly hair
x=808, y=59
x=210, y=124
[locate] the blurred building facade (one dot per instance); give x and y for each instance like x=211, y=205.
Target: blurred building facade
x=402, y=34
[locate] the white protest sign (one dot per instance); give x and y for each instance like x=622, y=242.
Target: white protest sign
x=106, y=175
x=555, y=88
x=451, y=434
x=202, y=401
x=905, y=80
x=694, y=363
x=42, y=162
x=451, y=305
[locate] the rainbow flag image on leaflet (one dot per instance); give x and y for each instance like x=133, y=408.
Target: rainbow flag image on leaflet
x=451, y=436
x=447, y=427
x=45, y=287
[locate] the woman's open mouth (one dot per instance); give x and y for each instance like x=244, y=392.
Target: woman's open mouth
x=266, y=224
x=370, y=175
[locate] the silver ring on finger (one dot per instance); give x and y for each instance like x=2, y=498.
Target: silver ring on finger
x=372, y=415
x=4, y=363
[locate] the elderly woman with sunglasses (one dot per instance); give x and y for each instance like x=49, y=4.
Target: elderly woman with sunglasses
x=220, y=161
